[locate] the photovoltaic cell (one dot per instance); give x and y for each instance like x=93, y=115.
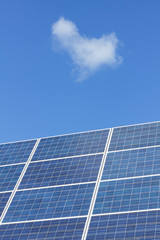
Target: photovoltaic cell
x=129, y=226
x=71, y=145
x=128, y=195
x=132, y=163
x=15, y=152
x=48, y=203
x=3, y=200
x=9, y=176
x=62, y=171
x=70, y=229
x=135, y=136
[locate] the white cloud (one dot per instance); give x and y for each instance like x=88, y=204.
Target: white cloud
x=88, y=54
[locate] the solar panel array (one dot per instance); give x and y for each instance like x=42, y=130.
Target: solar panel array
x=102, y=184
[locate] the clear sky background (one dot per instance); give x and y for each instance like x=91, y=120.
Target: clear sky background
x=39, y=94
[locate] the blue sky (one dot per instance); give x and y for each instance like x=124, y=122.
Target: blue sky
x=39, y=94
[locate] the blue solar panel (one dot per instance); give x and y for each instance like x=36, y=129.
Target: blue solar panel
x=50, y=203
x=15, y=152
x=3, y=200
x=132, y=163
x=135, y=136
x=128, y=195
x=55, y=193
x=64, y=229
x=62, y=171
x=129, y=226
x=9, y=176
x=71, y=145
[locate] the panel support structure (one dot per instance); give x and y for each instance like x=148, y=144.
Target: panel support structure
x=19, y=181
x=97, y=185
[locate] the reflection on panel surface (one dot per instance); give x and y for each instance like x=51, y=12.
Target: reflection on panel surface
x=9, y=176
x=129, y=226
x=132, y=163
x=15, y=152
x=3, y=200
x=71, y=145
x=135, y=136
x=128, y=195
x=56, y=229
x=62, y=171
x=50, y=203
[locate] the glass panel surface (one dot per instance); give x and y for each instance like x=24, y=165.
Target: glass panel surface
x=128, y=195
x=130, y=226
x=71, y=145
x=70, y=229
x=132, y=163
x=62, y=171
x=9, y=176
x=135, y=136
x=50, y=203
x=3, y=200
x=15, y=152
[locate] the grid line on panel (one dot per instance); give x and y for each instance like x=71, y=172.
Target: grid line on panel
x=136, y=148
x=134, y=211
x=55, y=186
x=119, y=179
x=6, y=192
x=97, y=185
x=44, y=219
x=6, y=165
x=19, y=180
x=74, y=156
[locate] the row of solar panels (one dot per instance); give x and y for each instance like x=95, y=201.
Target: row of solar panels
x=128, y=226
x=74, y=200
x=82, y=143
x=82, y=169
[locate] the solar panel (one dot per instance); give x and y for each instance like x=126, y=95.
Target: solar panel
x=62, y=171
x=135, y=136
x=138, y=225
x=54, y=229
x=128, y=195
x=9, y=176
x=49, y=203
x=132, y=163
x=99, y=185
x=3, y=200
x=71, y=145
x=15, y=152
